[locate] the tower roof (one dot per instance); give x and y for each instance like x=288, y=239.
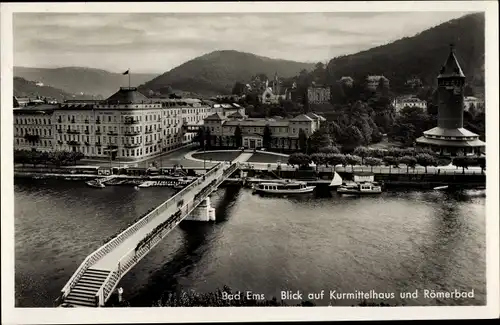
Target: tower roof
x=451, y=68
x=127, y=95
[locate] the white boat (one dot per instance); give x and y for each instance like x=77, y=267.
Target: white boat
x=441, y=187
x=336, y=181
x=283, y=188
x=360, y=188
x=146, y=184
x=95, y=184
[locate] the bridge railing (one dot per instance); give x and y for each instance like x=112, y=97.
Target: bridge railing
x=106, y=248
x=129, y=259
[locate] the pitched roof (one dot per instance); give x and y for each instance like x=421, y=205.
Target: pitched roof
x=127, y=95
x=315, y=116
x=302, y=118
x=236, y=114
x=214, y=117
x=451, y=68
x=460, y=132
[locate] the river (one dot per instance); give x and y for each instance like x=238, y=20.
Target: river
x=395, y=242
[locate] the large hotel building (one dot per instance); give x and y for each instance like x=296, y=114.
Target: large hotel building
x=126, y=126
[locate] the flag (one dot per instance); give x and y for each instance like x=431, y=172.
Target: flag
x=126, y=72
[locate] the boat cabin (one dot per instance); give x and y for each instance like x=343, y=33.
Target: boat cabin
x=282, y=186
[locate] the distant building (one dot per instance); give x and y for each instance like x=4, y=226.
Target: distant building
x=372, y=82
x=284, y=132
x=228, y=109
x=475, y=102
x=317, y=94
x=414, y=83
x=39, y=84
x=347, y=81
x=273, y=93
x=450, y=138
x=400, y=103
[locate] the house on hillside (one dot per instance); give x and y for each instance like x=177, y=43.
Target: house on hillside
x=372, y=82
x=318, y=94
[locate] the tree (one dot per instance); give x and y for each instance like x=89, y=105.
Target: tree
x=409, y=161
x=464, y=162
x=337, y=159
x=319, y=139
x=318, y=159
x=329, y=149
x=371, y=161
x=353, y=160
x=208, y=138
x=200, y=136
x=482, y=163
x=390, y=161
x=351, y=138
x=302, y=140
x=238, y=138
x=267, y=137
x=362, y=152
x=425, y=159
x=238, y=89
x=300, y=159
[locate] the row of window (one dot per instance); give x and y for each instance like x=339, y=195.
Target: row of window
x=43, y=143
x=32, y=120
x=23, y=131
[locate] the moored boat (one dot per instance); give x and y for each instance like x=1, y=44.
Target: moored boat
x=360, y=188
x=95, y=184
x=283, y=188
x=336, y=181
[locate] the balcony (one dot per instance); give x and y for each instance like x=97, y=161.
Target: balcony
x=132, y=133
x=159, y=142
x=73, y=143
x=148, y=143
x=112, y=133
x=98, y=132
x=59, y=131
x=73, y=131
x=59, y=120
x=97, y=122
x=98, y=144
x=112, y=146
x=148, y=131
x=132, y=145
x=87, y=132
x=87, y=143
x=159, y=129
x=86, y=121
x=129, y=121
x=73, y=121
x=59, y=142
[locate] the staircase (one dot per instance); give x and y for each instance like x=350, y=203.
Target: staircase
x=84, y=292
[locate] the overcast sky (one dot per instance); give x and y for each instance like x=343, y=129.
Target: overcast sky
x=159, y=42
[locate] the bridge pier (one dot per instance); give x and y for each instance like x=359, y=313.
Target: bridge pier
x=204, y=212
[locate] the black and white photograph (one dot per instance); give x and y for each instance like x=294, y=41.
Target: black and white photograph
x=238, y=155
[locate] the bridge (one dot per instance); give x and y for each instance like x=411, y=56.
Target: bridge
x=95, y=280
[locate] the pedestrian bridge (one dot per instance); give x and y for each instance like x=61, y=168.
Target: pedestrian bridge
x=95, y=280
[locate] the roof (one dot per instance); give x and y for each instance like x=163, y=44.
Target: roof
x=127, y=95
x=77, y=106
x=214, y=117
x=257, y=123
x=36, y=109
x=236, y=114
x=302, y=118
x=442, y=132
x=451, y=68
x=451, y=143
x=315, y=116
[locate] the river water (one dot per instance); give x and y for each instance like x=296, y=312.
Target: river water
x=395, y=242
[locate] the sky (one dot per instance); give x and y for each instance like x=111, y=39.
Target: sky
x=155, y=43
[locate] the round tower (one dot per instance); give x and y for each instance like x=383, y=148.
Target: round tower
x=451, y=82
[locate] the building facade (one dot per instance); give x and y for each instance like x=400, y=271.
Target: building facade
x=400, y=103
x=372, y=82
x=450, y=138
x=284, y=132
x=127, y=126
x=318, y=94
